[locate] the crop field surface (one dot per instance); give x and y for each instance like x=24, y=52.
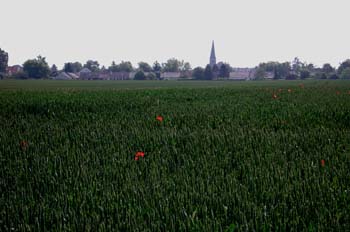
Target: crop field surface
x=174, y=156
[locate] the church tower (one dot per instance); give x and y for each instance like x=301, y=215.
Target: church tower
x=212, y=60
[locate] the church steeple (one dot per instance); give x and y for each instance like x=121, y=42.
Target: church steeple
x=212, y=60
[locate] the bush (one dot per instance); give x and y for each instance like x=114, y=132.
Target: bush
x=151, y=76
x=320, y=75
x=140, y=76
x=292, y=77
x=333, y=76
x=304, y=74
x=198, y=73
x=2, y=75
x=20, y=75
x=345, y=74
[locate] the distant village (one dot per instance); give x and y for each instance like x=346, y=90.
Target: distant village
x=173, y=69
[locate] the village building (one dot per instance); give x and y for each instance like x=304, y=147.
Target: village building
x=269, y=76
x=242, y=74
x=170, y=75
x=66, y=76
x=11, y=70
x=104, y=75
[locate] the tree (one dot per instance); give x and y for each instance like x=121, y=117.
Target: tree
x=77, y=66
x=304, y=74
x=92, y=65
x=345, y=64
x=186, y=67
x=281, y=70
x=320, y=75
x=224, y=71
x=172, y=65
x=345, y=73
x=37, y=68
x=157, y=68
x=198, y=73
x=151, y=76
x=4, y=58
x=145, y=67
x=72, y=67
x=310, y=67
x=260, y=73
x=125, y=66
x=327, y=68
x=53, y=70
x=215, y=70
x=333, y=76
x=140, y=76
x=297, y=65
x=68, y=67
x=208, y=73
x=114, y=67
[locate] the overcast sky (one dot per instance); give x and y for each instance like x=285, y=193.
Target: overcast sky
x=246, y=32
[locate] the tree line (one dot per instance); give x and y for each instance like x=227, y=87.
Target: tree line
x=302, y=70
x=38, y=68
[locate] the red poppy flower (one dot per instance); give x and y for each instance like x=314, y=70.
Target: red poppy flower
x=323, y=163
x=280, y=90
x=23, y=144
x=159, y=118
x=289, y=90
x=338, y=92
x=139, y=154
x=301, y=86
x=274, y=96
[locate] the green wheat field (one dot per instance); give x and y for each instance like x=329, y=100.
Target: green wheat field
x=218, y=156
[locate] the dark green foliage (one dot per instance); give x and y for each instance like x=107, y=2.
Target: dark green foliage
x=140, y=76
x=198, y=73
x=328, y=69
x=215, y=70
x=53, y=70
x=320, y=75
x=36, y=68
x=125, y=66
x=280, y=70
x=145, y=67
x=345, y=74
x=172, y=65
x=20, y=75
x=224, y=70
x=304, y=74
x=151, y=76
x=333, y=76
x=157, y=68
x=345, y=64
x=114, y=67
x=224, y=159
x=208, y=73
x=4, y=58
x=92, y=65
x=75, y=67
x=292, y=76
x=260, y=73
